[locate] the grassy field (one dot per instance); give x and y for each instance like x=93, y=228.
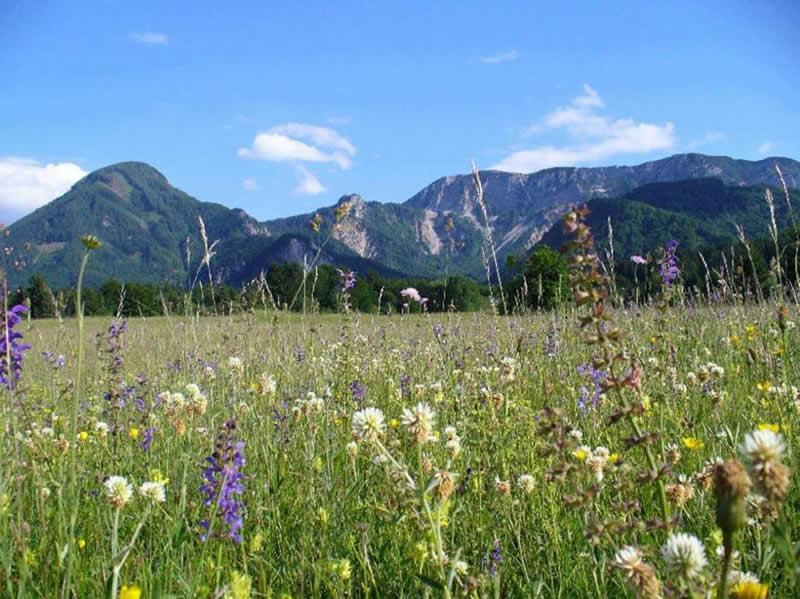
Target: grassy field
x=492, y=467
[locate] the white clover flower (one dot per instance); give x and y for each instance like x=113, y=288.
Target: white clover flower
x=760, y=447
x=268, y=384
x=684, y=555
x=193, y=390
x=460, y=567
x=101, y=428
x=526, y=482
x=596, y=464
x=739, y=577
x=352, y=449
x=48, y=432
x=450, y=432
x=419, y=421
x=235, y=365
x=118, y=490
x=576, y=434
x=153, y=491
x=368, y=424
x=177, y=399
x=628, y=559
x=314, y=402
x=601, y=452
x=453, y=446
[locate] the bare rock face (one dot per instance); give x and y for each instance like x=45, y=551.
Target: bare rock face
x=352, y=230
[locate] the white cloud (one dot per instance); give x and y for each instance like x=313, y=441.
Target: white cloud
x=150, y=38
x=766, y=147
x=502, y=57
x=282, y=144
x=26, y=184
x=592, y=136
x=591, y=99
x=308, y=183
x=250, y=185
x=321, y=136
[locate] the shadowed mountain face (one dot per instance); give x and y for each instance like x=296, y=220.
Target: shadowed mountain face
x=695, y=212
x=150, y=229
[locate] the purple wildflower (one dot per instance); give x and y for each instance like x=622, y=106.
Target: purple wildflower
x=495, y=558
x=668, y=263
x=223, y=482
x=148, y=439
x=358, y=391
x=11, y=348
x=405, y=384
x=347, y=279
x=597, y=377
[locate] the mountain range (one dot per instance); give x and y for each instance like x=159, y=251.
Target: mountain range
x=150, y=229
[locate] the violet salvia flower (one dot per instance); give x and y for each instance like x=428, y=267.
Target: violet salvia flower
x=358, y=391
x=597, y=377
x=223, y=483
x=668, y=263
x=11, y=348
x=148, y=439
x=495, y=558
x=347, y=279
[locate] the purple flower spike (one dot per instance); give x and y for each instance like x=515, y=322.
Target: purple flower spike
x=223, y=483
x=10, y=347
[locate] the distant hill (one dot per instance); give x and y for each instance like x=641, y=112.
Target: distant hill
x=697, y=213
x=145, y=222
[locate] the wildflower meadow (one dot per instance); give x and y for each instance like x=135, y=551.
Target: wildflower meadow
x=606, y=448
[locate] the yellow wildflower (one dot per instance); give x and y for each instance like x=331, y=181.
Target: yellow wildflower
x=133, y=433
x=765, y=426
x=692, y=443
x=581, y=454
x=81, y=543
x=613, y=458
x=750, y=590
x=158, y=477
x=394, y=423
x=764, y=387
x=130, y=592
x=83, y=436
x=240, y=586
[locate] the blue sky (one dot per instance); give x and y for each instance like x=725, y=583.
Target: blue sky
x=279, y=108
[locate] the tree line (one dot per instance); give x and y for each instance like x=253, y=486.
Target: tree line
x=282, y=287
